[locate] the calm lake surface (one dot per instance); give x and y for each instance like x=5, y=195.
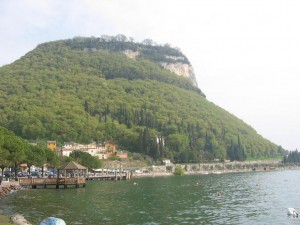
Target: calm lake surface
x=167, y=200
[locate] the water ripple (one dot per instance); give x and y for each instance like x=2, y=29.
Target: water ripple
x=167, y=200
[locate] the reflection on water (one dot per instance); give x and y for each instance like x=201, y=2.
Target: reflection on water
x=247, y=198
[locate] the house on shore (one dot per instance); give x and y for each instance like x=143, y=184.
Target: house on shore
x=51, y=145
x=109, y=150
x=166, y=162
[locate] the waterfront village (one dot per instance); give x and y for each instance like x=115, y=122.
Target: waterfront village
x=108, y=150
x=104, y=152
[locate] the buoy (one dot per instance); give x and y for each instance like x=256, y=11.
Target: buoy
x=52, y=221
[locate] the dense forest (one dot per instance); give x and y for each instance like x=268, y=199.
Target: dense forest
x=292, y=157
x=85, y=89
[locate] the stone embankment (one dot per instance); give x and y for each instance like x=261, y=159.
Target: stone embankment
x=7, y=189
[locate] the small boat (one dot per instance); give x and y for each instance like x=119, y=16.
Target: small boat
x=293, y=212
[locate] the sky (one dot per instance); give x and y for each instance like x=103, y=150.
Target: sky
x=245, y=53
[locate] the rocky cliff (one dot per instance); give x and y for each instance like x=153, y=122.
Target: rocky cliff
x=181, y=69
x=176, y=65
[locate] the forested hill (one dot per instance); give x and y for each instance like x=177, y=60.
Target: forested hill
x=91, y=89
x=114, y=57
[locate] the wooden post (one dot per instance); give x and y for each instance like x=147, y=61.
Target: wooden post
x=77, y=184
x=65, y=179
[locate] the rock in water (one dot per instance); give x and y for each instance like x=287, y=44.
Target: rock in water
x=19, y=219
x=52, y=221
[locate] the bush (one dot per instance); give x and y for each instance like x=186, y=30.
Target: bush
x=179, y=171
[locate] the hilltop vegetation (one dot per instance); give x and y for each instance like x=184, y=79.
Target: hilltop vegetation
x=61, y=92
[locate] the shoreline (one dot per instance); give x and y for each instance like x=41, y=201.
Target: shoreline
x=6, y=188
x=206, y=172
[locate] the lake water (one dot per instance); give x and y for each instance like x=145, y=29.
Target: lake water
x=167, y=200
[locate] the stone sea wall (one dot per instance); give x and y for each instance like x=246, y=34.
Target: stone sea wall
x=7, y=189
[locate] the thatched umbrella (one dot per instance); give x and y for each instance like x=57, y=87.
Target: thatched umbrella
x=71, y=166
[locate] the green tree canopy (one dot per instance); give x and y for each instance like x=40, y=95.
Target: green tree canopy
x=85, y=159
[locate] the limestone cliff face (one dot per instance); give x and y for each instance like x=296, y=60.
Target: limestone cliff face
x=175, y=66
x=181, y=69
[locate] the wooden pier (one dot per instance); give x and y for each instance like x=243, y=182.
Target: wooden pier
x=69, y=181
x=116, y=176
x=50, y=182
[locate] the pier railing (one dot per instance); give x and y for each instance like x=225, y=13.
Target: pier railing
x=109, y=176
x=34, y=182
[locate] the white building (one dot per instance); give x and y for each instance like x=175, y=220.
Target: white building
x=167, y=162
x=93, y=149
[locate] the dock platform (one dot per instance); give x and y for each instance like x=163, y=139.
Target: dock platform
x=50, y=182
x=112, y=176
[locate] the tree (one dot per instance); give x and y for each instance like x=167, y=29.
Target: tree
x=236, y=151
x=183, y=157
x=177, y=142
x=29, y=157
x=121, y=38
x=16, y=148
x=36, y=157
x=86, y=159
x=4, y=153
x=148, y=42
x=4, y=159
x=292, y=157
x=51, y=158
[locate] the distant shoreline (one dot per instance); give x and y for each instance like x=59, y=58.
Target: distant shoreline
x=207, y=172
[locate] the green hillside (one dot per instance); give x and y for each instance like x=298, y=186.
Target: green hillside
x=85, y=89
